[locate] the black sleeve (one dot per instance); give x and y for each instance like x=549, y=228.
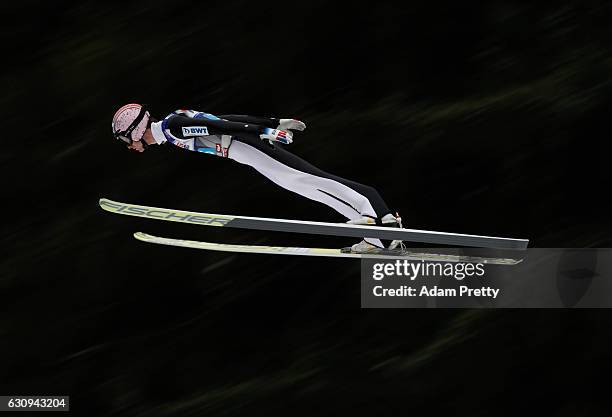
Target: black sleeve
x=270, y=122
x=214, y=127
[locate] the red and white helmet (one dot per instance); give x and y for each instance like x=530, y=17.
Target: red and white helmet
x=130, y=123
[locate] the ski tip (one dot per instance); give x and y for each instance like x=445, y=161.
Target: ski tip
x=105, y=203
x=142, y=236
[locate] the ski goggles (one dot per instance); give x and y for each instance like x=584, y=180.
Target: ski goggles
x=126, y=135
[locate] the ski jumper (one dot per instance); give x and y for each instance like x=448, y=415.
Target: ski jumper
x=237, y=137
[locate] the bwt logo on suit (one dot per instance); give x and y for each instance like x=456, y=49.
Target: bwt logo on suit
x=195, y=131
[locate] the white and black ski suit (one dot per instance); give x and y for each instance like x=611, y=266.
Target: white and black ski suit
x=237, y=137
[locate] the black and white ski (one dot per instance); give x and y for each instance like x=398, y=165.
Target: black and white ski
x=323, y=252
x=310, y=227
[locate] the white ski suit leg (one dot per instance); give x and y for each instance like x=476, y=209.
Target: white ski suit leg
x=294, y=174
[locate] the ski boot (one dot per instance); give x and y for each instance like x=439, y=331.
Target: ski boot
x=369, y=245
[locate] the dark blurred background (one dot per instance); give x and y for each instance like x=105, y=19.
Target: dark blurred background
x=486, y=119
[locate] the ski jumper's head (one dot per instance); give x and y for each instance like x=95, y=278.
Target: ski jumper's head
x=132, y=125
